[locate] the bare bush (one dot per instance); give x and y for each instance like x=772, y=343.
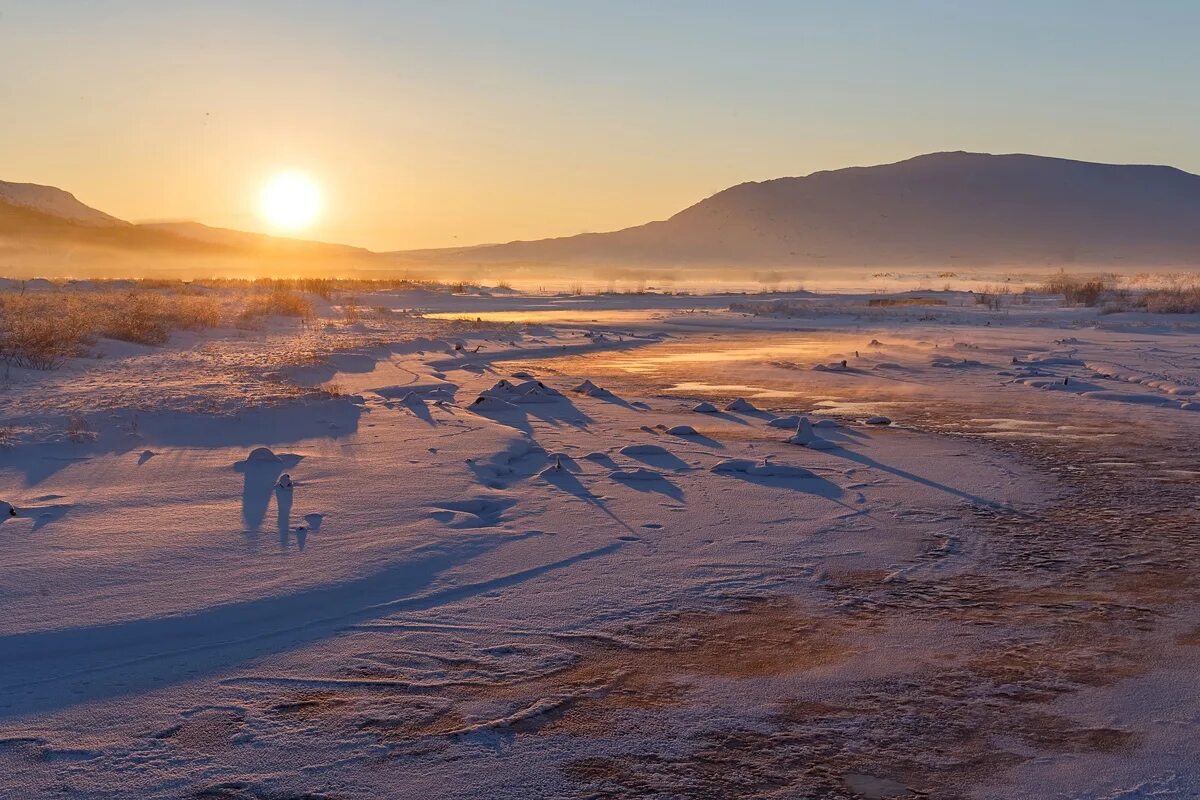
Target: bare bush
x=1087, y=290
x=78, y=430
x=1172, y=301
x=280, y=300
x=994, y=297
x=42, y=331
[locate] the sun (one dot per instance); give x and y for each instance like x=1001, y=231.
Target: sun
x=290, y=201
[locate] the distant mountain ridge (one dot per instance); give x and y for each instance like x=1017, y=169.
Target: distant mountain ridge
x=941, y=209
x=229, y=237
x=54, y=202
x=55, y=230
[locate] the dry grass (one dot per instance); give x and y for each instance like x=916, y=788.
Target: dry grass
x=1085, y=290
x=889, y=302
x=149, y=318
x=1179, y=300
x=279, y=300
x=1165, y=293
x=78, y=430
x=42, y=329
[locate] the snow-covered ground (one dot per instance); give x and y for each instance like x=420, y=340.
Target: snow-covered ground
x=507, y=557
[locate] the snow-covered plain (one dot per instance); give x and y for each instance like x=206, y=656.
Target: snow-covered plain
x=512, y=556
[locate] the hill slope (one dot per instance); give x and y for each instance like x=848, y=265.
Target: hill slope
x=45, y=230
x=54, y=202
x=938, y=209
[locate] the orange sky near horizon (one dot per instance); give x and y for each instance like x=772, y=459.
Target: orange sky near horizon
x=452, y=124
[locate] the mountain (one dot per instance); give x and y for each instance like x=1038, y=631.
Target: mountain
x=941, y=209
x=244, y=240
x=46, y=230
x=24, y=229
x=54, y=202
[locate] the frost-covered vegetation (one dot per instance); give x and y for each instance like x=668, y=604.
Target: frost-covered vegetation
x=39, y=330
x=1156, y=293
x=43, y=323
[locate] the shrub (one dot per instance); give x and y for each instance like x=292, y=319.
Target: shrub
x=1172, y=301
x=78, y=430
x=1080, y=289
x=142, y=319
x=40, y=332
x=279, y=301
x=149, y=318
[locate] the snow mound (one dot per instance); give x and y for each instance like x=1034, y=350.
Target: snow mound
x=741, y=404
x=734, y=465
x=804, y=433
x=537, y=394
x=263, y=455
x=488, y=404
x=531, y=391
x=805, y=437
x=878, y=419
x=501, y=388
x=789, y=422
x=528, y=386
x=586, y=387
x=682, y=430
x=770, y=469
x=704, y=408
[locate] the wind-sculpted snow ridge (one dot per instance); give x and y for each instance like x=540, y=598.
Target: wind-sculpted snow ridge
x=376, y=586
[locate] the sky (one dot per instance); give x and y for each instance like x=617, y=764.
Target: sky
x=452, y=122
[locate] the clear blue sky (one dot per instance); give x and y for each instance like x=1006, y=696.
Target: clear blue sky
x=441, y=123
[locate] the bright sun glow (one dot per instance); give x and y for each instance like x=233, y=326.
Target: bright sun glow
x=290, y=200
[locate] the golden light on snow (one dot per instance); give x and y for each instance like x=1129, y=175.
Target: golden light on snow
x=290, y=201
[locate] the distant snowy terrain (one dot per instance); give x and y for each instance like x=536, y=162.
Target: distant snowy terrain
x=533, y=546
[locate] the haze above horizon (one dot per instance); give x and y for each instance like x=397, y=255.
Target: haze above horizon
x=433, y=125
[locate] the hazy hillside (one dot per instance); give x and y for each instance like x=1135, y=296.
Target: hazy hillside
x=228, y=237
x=55, y=202
x=23, y=228
x=46, y=231
x=941, y=210
x=953, y=209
